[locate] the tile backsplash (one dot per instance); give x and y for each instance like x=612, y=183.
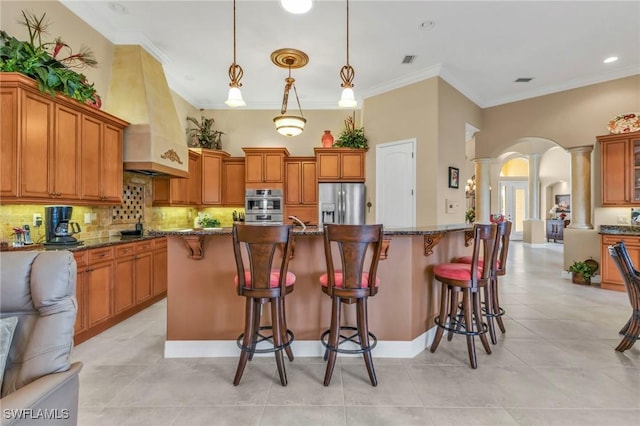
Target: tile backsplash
x=110, y=220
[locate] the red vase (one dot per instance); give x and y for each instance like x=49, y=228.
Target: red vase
x=327, y=139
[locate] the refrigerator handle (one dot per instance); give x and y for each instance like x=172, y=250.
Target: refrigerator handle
x=339, y=209
x=343, y=210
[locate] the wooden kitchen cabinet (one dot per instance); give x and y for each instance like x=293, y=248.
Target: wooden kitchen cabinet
x=212, y=167
x=123, y=293
x=144, y=270
x=100, y=280
x=81, y=291
x=233, y=187
x=610, y=277
x=49, y=147
x=264, y=167
x=620, y=169
x=160, y=265
x=301, y=184
x=340, y=164
x=179, y=191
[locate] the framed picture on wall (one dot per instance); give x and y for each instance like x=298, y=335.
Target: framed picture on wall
x=564, y=203
x=454, y=177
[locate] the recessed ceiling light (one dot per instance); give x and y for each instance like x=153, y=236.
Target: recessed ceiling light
x=427, y=25
x=118, y=8
x=610, y=59
x=297, y=6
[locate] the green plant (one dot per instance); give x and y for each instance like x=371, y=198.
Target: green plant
x=41, y=61
x=203, y=135
x=351, y=137
x=584, y=268
x=470, y=215
x=209, y=222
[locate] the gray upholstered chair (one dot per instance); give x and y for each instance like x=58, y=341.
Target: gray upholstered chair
x=39, y=383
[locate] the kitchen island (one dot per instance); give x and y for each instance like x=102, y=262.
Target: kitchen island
x=205, y=315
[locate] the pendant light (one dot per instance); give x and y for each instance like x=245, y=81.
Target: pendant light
x=235, y=73
x=287, y=124
x=347, y=73
x=297, y=6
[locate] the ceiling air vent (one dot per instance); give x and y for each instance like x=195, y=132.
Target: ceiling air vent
x=523, y=80
x=408, y=59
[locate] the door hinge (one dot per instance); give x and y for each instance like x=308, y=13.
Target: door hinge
x=411, y=154
x=412, y=192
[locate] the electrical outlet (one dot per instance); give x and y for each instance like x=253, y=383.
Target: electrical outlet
x=87, y=218
x=163, y=216
x=37, y=219
x=623, y=220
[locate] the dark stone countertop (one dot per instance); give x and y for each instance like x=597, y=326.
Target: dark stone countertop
x=619, y=230
x=421, y=230
x=102, y=242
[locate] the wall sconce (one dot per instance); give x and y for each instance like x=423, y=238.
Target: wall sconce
x=289, y=125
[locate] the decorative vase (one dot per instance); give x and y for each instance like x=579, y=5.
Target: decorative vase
x=327, y=139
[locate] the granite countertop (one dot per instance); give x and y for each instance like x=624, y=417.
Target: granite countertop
x=619, y=230
x=421, y=230
x=89, y=243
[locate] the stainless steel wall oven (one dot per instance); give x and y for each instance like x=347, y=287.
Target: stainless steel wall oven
x=263, y=206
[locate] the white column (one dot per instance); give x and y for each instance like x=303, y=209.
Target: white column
x=581, y=187
x=534, y=186
x=483, y=193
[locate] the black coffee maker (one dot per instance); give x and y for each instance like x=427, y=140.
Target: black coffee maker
x=58, y=226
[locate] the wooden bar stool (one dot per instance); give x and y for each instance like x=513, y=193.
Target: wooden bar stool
x=467, y=279
x=261, y=284
x=350, y=284
x=631, y=277
x=492, y=307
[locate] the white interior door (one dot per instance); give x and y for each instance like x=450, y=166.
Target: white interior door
x=395, y=184
x=514, y=199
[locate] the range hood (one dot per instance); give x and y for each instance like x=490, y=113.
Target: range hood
x=154, y=143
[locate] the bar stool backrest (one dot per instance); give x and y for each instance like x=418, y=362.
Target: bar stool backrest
x=504, y=237
x=484, y=247
x=353, y=241
x=630, y=275
x=259, y=243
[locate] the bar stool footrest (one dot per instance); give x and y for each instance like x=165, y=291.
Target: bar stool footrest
x=263, y=338
x=324, y=339
x=456, y=326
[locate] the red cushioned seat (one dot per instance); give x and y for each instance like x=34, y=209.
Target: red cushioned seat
x=467, y=259
x=339, y=280
x=273, y=280
x=455, y=271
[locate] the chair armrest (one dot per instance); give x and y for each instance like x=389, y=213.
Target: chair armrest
x=56, y=393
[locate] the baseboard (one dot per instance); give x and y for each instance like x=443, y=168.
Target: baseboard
x=301, y=348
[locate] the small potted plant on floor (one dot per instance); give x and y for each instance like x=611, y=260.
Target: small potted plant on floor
x=582, y=271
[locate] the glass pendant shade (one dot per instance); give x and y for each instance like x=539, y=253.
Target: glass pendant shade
x=348, y=99
x=297, y=6
x=289, y=125
x=235, y=98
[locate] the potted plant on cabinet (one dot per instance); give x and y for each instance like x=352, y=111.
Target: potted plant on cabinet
x=351, y=137
x=203, y=135
x=582, y=271
x=43, y=62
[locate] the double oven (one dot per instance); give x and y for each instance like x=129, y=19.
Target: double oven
x=263, y=206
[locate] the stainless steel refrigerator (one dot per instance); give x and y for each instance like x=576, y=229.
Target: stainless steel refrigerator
x=341, y=203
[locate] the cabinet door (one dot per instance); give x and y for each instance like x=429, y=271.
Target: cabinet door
x=35, y=146
x=253, y=168
x=65, y=167
x=293, y=182
x=211, y=179
x=328, y=166
x=309, y=188
x=160, y=274
x=99, y=284
x=90, y=163
x=635, y=179
x=9, y=142
x=195, y=183
x=180, y=191
x=123, y=293
x=144, y=275
x=273, y=167
x=352, y=166
x=615, y=174
x=81, y=291
x=111, y=166
x=233, y=176
x=611, y=278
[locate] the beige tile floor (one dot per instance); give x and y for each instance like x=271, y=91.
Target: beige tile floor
x=556, y=365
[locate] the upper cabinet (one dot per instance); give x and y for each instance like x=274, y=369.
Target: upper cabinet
x=233, y=175
x=180, y=191
x=340, y=164
x=55, y=149
x=620, y=169
x=264, y=167
x=301, y=184
x=212, y=176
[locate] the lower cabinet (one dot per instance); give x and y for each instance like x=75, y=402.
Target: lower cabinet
x=611, y=278
x=115, y=282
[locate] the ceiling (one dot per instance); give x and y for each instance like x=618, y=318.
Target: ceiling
x=478, y=47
